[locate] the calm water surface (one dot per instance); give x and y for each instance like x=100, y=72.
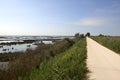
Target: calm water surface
x=16, y=48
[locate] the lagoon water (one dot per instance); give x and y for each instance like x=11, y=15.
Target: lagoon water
x=24, y=47
x=16, y=48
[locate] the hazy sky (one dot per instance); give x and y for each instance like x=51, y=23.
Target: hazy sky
x=59, y=17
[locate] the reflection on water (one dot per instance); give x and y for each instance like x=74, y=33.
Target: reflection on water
x=20, y=47
x=16, y=48
x=8, y=41
x=45, y=42
x=48, y=42
x=6, y=48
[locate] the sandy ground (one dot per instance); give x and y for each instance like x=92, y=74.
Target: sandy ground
x=103, y=63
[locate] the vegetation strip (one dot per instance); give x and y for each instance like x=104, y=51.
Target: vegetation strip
x=21, y=64
x=112, y=43
x=69, y=65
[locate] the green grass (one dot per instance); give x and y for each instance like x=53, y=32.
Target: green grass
x=110, y=42
x=69, y=65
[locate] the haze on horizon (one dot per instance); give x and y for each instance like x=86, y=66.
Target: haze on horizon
x=59, y=17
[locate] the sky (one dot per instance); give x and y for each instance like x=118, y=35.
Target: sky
x=59, y=17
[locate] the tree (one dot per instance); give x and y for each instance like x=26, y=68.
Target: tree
x=82, y=36
x=88, y=34
x=77, y=35
x=100, y=35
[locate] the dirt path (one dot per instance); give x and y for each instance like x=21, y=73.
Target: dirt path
x=103, y=63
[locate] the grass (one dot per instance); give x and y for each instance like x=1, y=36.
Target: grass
x=22, y=63
x=69, y=65
x=112, y=43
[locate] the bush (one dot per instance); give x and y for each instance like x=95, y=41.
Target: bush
x=82, y=36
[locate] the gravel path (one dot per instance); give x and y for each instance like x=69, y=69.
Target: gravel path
x=103, y=63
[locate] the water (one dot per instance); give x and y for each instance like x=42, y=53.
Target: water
x=24, y=47
x=45, y=42
x=8, y=41
x=16, y=48
x=48, y=42
x=19, y=47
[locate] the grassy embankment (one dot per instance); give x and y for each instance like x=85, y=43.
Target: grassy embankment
x=112, y=43
x=22, y=63
x=69, y=65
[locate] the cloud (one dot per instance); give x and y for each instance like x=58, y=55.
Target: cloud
x=92, y=22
